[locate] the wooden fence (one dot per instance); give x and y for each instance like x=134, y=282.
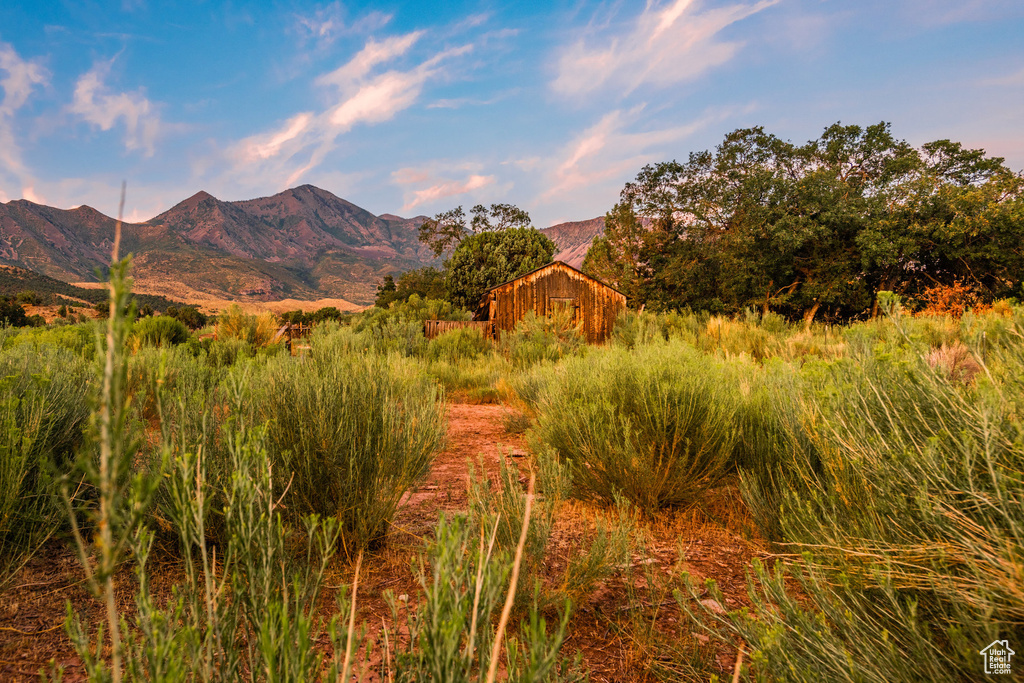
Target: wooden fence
x=289, y=333
x=433, y=328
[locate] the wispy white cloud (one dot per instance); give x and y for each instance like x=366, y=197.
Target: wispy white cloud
x=325, y=24
x=359, y=94
x=98, y=105
x=20, y=78
x=664, y=45
x=270, y=144
x=372, y=55
x=607, y=152
x=459, y=102
x=1013, y=79
x=438, y=189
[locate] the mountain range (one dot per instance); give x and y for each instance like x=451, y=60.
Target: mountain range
x=303, y=243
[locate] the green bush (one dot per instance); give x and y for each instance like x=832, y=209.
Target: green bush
x=12, y=313
x=191, y=316
x=537, y=338
x=355, y=430
x=415, y=309
x=43, y=413
x=654, y=425
x=160, y=331
x=463, y=343
x=902, y=488
x=633, y=328
x=531, y=383
x=79, y=339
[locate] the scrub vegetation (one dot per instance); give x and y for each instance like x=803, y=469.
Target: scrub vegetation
x=780, y=489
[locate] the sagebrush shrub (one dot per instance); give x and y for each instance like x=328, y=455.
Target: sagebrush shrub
x=909, y=519
x=44, y=409
x=463, y=343
x=159, y=331
x=351, y=432
x=655, y=425
x=538, y=338
x=255, y=330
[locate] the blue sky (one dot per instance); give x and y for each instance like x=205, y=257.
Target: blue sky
x=413, y=108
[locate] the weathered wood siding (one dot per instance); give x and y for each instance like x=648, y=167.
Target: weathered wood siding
x=433, y=328
x=596, y=305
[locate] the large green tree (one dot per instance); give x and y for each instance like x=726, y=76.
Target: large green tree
x=797, y=228
x=490, y=258
x=446, y=230
x=496, y=245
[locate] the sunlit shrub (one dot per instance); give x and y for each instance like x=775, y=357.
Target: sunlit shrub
x=79, y=339
x=462, y=343
x=159, y=331
x=537, y=338
x=632, y=328
x=255, y=330
x=352, y=433
x=907, y=518
x=654, y=425
x=43, y=414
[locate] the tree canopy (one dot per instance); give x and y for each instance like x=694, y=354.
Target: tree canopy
x=766, y=223
x=427, y=282
x=446, y=230
x=496, y=245
x=487, y=259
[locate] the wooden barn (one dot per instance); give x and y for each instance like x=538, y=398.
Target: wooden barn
x=594, y=304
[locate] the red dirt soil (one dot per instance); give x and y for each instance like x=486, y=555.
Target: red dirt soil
x=32, y=607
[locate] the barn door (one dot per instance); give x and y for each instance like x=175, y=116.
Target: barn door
x=564, y=304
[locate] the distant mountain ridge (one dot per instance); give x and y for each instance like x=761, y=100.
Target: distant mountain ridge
x=302, y=243
x=574, y=239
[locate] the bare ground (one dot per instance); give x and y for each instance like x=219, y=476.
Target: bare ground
x=618, y=639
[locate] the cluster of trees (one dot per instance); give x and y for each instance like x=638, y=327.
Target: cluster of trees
x=309, y=318
x=12, y=313
x=497, y=245
x=191, y=316
x=427, y=282
x=824, y=226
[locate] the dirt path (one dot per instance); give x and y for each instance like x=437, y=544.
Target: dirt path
x=476, y=436
x=32, y=609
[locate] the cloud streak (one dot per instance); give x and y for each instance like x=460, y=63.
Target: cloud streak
x=328, y=23
x=360, y=93
x=439, y=190
x=664, y=46
x=604, y=153
x=20, y=78
x=96, y=104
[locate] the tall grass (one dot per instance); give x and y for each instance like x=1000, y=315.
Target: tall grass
x=463, y=343
x=900, y=488
x=498, y=503
x=654, y=425
x=538, y=338
x=43, y=413
x=452, y=636
x=352, y=433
